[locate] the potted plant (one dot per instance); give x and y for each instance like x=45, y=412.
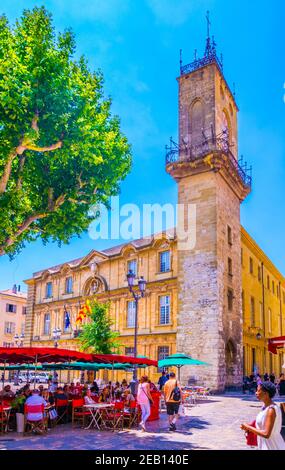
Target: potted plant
x=18, y=406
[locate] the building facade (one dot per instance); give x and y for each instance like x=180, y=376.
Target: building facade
x=13, y=306
x=219, y=300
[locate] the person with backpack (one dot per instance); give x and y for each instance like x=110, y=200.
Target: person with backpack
x=173, y=398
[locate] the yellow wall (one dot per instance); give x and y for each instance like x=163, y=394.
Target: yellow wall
x=266, y=298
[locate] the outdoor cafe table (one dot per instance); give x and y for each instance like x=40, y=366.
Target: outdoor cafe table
x=95, y=411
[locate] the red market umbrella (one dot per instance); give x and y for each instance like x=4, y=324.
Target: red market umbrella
x=36, y=355
x=33, y=355
x=275, y=343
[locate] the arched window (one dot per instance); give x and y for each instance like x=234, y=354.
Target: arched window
x=226, y=130
x=196, y=123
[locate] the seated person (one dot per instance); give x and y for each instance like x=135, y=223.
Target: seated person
x=94, y=387
x=7, y=392
x=66, y=389
x=118, y=395
x=35, y=399
x=88, y=400
x=124, y=385
x=128, y=397
x=41, y=388
x=71, y=388
x=104, y=395
x=59, y=394
x=48, y=397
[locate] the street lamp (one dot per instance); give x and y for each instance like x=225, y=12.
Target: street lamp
x=142, y=285
x=56, y=336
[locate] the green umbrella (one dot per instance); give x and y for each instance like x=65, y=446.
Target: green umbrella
x=179, y=360
x=21, y=367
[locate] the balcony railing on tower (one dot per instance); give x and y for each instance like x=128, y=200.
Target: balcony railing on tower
x=216, y=144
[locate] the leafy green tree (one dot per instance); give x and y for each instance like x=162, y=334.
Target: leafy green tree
x=97, y=335
x=61, y=150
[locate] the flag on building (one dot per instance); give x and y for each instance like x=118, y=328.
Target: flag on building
x=67, y=322
x=83, y=312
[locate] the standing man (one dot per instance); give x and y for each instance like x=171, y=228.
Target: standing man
x=173, y=397
x=162, y=380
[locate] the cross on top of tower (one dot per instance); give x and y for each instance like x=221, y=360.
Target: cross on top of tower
x=210, y=54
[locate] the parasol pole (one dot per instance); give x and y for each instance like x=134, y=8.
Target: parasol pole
x=35, y=371
x=1, y=398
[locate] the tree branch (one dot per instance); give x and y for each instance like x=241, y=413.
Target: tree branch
x=54, y=205
x=35, y=148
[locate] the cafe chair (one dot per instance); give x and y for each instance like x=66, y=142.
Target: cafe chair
x=61, y=407
x=79, y=413
x=35, y=419
x=113, y=418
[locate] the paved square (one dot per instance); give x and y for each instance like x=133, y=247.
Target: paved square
x=212, y=424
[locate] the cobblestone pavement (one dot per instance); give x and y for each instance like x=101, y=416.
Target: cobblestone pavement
x=212, y=424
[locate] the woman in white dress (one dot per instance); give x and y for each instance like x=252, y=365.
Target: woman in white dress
x=268, y=421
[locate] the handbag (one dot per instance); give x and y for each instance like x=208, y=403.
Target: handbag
x=52, y=414
x=251, y=438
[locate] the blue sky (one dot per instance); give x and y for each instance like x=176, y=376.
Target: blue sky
x=136, y=44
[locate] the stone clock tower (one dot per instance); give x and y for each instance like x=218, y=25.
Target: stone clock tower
x=209, y=176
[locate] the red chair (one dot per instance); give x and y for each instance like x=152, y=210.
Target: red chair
x=132, y=417
x=3, y=419
x=79, y=413
x=61, y=407
x=114, y=418
x=35, y=418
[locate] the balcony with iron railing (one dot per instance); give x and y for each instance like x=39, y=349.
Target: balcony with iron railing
x=218, y=144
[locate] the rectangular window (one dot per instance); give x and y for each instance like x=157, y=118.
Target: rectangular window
x=132, y=266
x=230, y=299
x=9, y=328
x=229, y=235
x=259, y=273
x=230, y=266
x=268, y=283
x=269, y=320
x=131, y=314
x=68, y=285
x=273, y=287
x=24, y=310
x=22, y=328
x=48, y=290
x=164, y=310
x=252, y=311
x=11, y=308
x=162, y=353
x=47, y=324
x=129, y=351
x=251, y=265
x=164, y=263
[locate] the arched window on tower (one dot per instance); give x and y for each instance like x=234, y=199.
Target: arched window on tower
x=197, y=121
x=226, y=131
